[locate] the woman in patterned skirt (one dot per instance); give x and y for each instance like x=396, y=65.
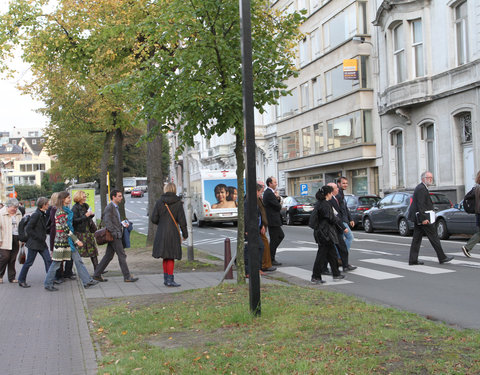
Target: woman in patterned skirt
x=83, y=225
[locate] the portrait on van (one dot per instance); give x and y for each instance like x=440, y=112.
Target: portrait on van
x=219, y=193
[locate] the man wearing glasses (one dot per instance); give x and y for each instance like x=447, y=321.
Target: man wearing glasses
x=420, y=213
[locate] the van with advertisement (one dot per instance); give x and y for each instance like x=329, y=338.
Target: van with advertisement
x=214, y=196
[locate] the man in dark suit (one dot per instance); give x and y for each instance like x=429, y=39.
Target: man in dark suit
x=271, y=201
x=114, y=225
x=421, y=203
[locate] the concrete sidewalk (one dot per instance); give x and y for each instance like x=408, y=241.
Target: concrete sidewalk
x=47, y=332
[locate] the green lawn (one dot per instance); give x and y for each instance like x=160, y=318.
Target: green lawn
x=300, y=331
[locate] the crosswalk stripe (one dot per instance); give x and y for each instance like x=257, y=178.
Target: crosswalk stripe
x=405, y=266
x=307, y=275
x=378, y=241
x=374, y=274
x=474, y=256
x=454, y=261
x=281, y=250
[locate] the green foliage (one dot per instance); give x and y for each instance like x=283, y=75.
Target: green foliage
x=30, y=192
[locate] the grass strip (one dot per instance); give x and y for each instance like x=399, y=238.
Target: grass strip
x=300, y=331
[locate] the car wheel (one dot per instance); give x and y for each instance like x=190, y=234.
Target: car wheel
x=403, y=227
x=367, y=225
x=442, y=230
x=200, y=223
x=289, y=219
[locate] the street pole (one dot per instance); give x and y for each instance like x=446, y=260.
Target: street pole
x=248, y=121
x=188, y=203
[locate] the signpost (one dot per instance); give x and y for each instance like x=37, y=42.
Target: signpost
x=303, y=189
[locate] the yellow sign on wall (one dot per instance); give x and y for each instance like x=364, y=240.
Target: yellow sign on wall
x=90, y=193
x=350, y=69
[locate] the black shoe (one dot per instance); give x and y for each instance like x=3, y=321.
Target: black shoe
x=269, y=269
x=131, y=279
x=466, y=252
x=417, y=263
x=99, y=278
x=327, y=273
x=71, y=277
x=349, y=268
x=59, y=281
x=446, y=260
x=275, y=263
x=90, y=283
x=315, y=280
x=338, y=277
x=23, y=284
x=51, y=288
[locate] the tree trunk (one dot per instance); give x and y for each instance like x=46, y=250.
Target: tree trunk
x=154, y=175
x=118, y=166
x=103, y=170
x=241, y=212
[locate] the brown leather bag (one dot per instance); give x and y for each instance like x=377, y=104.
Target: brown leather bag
x=103, y=236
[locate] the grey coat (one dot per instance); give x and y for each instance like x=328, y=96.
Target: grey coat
x=167, y=243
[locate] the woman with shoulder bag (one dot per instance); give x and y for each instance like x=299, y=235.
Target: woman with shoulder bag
x=84, y=227
x=168, y=213
x=325, y=235
x=10, y=217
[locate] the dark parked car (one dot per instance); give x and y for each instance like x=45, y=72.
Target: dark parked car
x=297, y=209
x=391, y=212
x=357, y=205
x=455, y=221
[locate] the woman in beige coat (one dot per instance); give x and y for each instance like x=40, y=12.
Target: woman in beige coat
x=10, y=217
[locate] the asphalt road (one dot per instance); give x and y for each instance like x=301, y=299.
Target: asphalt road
x=441, y=292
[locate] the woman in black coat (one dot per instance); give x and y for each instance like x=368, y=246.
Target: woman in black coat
x=325, y=235
x=167, y=243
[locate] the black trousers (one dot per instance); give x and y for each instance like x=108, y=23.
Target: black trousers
x=115, y=247
x=341, y=246
x=418, y=232
x=276, y=238
x=326, y=253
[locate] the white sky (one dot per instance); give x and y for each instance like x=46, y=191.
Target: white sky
x=16, y=109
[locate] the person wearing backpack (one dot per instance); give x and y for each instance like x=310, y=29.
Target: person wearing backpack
x=36, y=232
x=476, y=237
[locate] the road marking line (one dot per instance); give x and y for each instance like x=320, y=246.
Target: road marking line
x=374, y=274
x=304, y=274
x=367, y=251
x=405, y=266
x=383, y=242
x=475, y=256
x=454, y=261
x=281, y=250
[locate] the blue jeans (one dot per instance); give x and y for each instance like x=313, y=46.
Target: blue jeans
x=32, y=254
x=81, y=269
x=348, y=236
x=51, y=273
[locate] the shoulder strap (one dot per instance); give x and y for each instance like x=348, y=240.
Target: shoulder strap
x=176, y=225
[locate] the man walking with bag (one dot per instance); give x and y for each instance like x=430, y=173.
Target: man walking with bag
x=418, y=213
x=115, y=226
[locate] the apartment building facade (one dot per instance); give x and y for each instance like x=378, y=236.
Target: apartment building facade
x=329, y=126
x=429, y=92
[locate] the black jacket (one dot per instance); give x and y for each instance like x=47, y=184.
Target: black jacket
x=421, y=202
x=167, y=243
x=345, y=213
x=327, y=229
x=80, y=220
x=37, y=231
x=272, y=207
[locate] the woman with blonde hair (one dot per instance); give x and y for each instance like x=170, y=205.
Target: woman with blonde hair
x=82, y=222
x=10, y=217
x=168, y=214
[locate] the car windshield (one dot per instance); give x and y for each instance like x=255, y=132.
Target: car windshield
x=306, y=199
x=368, y=201
x=439, y=199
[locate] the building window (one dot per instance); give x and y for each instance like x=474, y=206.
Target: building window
x=289, y=146
x=399, y=53
x=345, y=131
x=429, y=138
x=307, y=141
x=465, y=121
x=317, y=91
x=340, y=28
x=315, y=39
x=360, y=181
x=417, y=48
x=461, y=35
x=336, y=85
x=305, y=96
x=34, y=141
x=362, y=17
x=319, y=140
x=303, y=52
x=289, y=104
x=14, y=142
x=397, y=144
x=302, y=4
